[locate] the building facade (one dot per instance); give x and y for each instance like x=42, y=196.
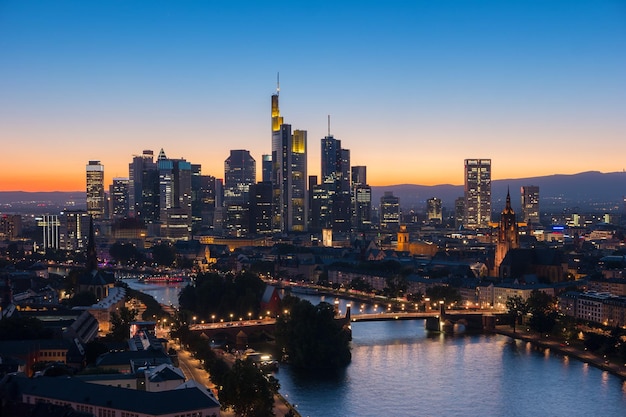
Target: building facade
x=530, y=204
x=477, y=193
x=95, y=189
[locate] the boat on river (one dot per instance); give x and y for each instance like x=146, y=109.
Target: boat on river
x=162, y=279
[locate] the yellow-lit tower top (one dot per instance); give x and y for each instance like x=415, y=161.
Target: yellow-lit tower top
x=277, y=120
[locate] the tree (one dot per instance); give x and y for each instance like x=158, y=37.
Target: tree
x=247, y=391
x=83, y=298
x=120, y=323
x=164, y=254
x=443, y=293
x=124, y=252
x=517, y=307
x=311, y=336
x=543, y=314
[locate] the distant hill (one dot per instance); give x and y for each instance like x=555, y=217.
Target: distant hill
x=584, y=190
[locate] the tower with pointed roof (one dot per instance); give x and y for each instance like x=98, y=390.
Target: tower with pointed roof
x=508, y=233
x=92, y=279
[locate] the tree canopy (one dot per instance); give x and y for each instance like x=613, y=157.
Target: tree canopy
x=311, y=336
x=248, y=391
x=222, y=295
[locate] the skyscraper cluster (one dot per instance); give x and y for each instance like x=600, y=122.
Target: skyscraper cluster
x=173, y=199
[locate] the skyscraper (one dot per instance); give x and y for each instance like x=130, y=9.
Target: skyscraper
x=174, y=197
x=95, y=189
x=530, y=204
x=118, y=193
x=289, y=174
x=361, y=199
x=143, y=188
x=433, y=210
x=266, y=168
x=239, y=175
x=389, y=212
x=335, y=182
x=477, y=193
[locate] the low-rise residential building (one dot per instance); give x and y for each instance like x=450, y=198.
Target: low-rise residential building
x=102, y=400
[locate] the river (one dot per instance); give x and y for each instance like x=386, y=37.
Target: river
x=400, y=370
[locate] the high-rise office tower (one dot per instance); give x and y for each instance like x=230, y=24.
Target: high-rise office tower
x=389, y=212
x=336, y=182
x=261, y=208
x=174, y=197
x=74, y=230
x=95, y=189
x=530, y=204
x=459, y=212
x=239, y=175
x=361, y=199
x=50, y=226
x=289, y=174
x=266, y=168
x=477, y=193
x=433, y=210
x=143, y=188
x=118, y=194
x=202, y=198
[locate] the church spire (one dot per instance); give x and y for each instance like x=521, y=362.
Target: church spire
x=92, y=258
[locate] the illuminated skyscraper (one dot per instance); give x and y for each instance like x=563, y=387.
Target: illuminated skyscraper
x=389, y=212
x=174, y=197
x=95, y=189
x=335, y=182
x=530, y=204
x=433, y=210
x=239, y=176
x=361, y=199
x=118, y=194
x=477, y=193
x=289, y=174
x=143, y=188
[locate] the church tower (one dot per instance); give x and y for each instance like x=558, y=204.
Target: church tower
x=508, y=234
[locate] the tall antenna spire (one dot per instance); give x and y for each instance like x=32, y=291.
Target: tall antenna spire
x=329, y=125
x=278, y=83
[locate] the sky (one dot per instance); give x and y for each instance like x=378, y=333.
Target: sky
x=412, y=87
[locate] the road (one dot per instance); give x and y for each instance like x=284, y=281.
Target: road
x=193, y=370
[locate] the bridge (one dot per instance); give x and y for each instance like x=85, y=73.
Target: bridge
x=442, y=320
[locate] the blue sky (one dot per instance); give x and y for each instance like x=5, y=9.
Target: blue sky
x=412, y=87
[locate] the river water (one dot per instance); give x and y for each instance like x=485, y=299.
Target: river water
x=400, y=370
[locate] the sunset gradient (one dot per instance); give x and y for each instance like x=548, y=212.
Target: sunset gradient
x=413, y=87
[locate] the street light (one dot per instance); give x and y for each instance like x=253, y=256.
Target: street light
x=213, y=318
x=231, y=317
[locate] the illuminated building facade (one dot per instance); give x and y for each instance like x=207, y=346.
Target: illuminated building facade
x=335, y=183
x=174, y=197
x=74, y=230
x=239, y=176
x=143, y=188
x=530, y=204
x=361, y=199
x=477, y=193
x=508, y=234
x=50, y=226
x=95, y=189
x=119, y=198
x=289, y=174
x=433, y=210
x=389, y=212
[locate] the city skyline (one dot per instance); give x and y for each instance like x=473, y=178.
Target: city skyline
x=412, y=89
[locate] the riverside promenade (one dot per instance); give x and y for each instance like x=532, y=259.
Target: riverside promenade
x=598, y=361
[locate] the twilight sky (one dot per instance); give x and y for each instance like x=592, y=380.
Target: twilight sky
x=412, y=87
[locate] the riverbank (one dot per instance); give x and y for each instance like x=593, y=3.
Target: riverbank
x=537, y=339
